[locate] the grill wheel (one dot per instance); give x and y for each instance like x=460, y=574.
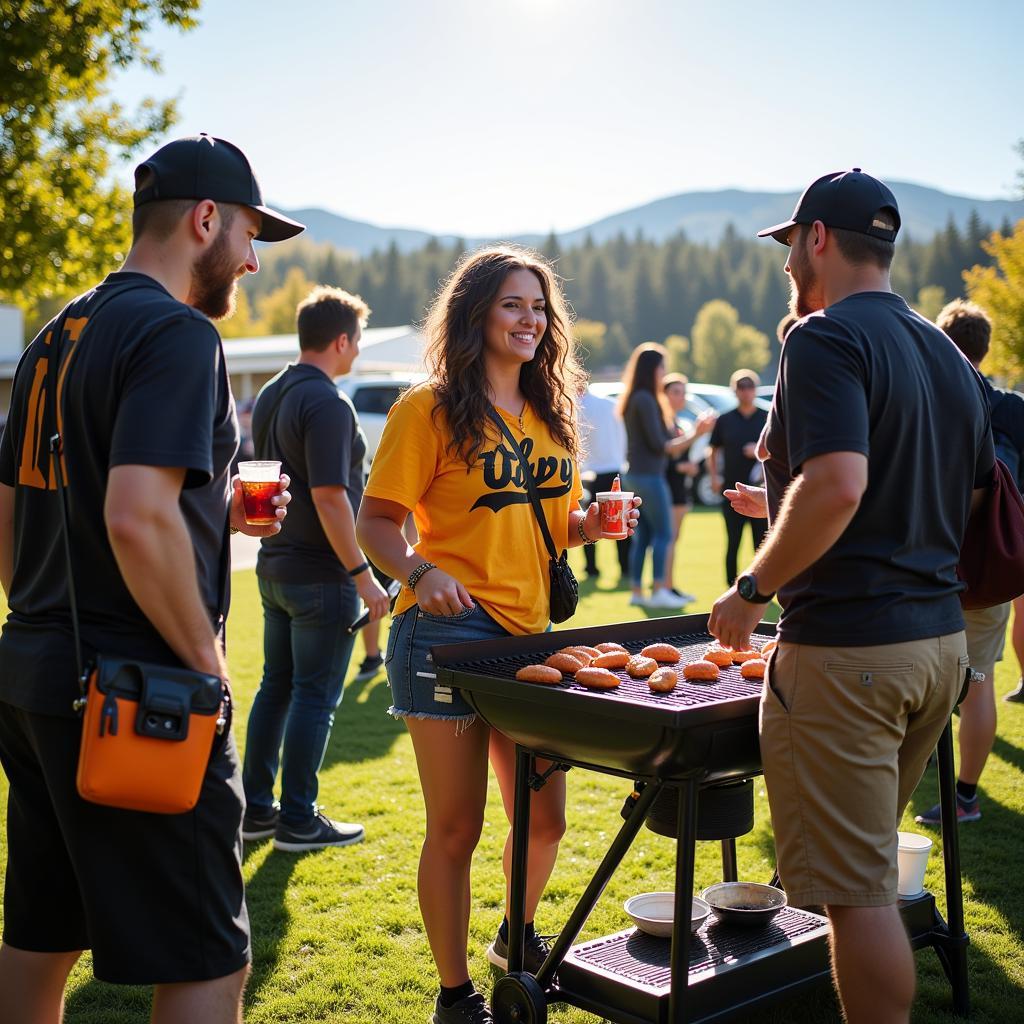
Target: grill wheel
x=518, y=999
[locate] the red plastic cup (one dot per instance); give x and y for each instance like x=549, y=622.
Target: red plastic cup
x=614, y=507
x=261, y=481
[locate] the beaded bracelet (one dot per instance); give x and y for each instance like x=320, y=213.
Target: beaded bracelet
x=418, y=573
x=582, y=532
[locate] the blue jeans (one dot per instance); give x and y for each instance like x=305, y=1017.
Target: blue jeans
x=654, y=530
x=305, y=658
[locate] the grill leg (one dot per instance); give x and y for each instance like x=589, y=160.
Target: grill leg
x=685, y=849
x=622, y=842
x=952, y=939
x=730, y=872
x=520, y=849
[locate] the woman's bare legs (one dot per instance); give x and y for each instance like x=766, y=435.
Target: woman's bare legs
x=453, y=776
x=547, y=821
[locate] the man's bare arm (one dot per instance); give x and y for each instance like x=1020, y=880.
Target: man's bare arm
x=155, y=555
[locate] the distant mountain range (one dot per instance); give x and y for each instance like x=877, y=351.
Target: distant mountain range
x=703, y=216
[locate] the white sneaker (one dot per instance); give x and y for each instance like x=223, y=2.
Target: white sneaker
x=683, y=596
x=663, y=598
x=639, y=600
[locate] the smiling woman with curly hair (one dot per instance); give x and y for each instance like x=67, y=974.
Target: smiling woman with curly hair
x=497, y=340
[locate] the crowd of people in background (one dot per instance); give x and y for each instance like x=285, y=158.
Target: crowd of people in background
x=879, y=431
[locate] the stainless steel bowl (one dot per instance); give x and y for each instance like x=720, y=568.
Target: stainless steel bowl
x=748, y=903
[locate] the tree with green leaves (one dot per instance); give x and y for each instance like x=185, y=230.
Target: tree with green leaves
x=721, y=343
x=63, y=221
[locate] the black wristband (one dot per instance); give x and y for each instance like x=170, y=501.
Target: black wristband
x=362, y=567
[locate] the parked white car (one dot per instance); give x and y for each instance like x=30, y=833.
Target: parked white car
x=373, y=397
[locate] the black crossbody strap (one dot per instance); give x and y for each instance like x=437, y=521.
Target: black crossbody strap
x=531, y=486
x=260, y=441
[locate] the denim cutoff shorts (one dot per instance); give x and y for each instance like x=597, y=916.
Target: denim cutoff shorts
x=415, y=691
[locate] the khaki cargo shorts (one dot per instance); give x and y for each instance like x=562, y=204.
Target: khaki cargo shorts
x=986, y=636
x=846, y=733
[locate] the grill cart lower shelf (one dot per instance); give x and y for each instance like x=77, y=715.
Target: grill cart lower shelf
x=733, y=968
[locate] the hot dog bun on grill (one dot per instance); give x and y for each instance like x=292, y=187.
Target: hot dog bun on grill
x=705, y=671
x=539, y=674
x=663, y=680
x=597, y=679
x=640, y=667
x=566, y=663
x=664, y=653
x=611, y=659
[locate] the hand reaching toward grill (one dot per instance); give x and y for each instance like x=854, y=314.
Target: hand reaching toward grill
x=748, y=501
x=732, y=620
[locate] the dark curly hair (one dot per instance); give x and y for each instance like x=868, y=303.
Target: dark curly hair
x=552, y=381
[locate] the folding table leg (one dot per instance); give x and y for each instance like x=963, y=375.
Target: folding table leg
x=686, y=842
x=952, y=940
x=730, y=872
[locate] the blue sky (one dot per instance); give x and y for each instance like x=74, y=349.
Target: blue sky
x=503, y=116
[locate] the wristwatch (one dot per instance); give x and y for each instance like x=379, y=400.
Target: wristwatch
x=746, y=587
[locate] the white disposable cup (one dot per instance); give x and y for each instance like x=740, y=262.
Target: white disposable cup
x=911, y=861
x=614, y=507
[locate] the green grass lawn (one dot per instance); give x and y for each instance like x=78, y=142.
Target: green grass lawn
x=337, y=934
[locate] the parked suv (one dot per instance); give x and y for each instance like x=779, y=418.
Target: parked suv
x=373, y=397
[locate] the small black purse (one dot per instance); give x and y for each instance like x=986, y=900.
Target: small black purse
x=565, y=591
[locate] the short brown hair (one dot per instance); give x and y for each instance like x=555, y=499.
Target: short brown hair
x=326, y=313
x=969, y=327
x=859, y=248
x=160, y=217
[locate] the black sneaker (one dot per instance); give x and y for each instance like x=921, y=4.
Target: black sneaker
x=471, y=1010
x=320, y=834
x=1016, y=695
x=535, y=952
x=259, y=825
x=371, y=665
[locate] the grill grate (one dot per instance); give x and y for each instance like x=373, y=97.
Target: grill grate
x=645, y=960
x=730, y=684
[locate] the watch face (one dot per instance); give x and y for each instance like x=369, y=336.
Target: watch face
x=747, y=587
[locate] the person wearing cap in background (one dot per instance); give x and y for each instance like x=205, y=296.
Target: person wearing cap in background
x=149, y=431
x=735, y=438
x=878, y=447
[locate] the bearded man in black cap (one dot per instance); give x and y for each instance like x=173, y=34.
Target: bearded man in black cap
x=876, y=449
x=149, y=432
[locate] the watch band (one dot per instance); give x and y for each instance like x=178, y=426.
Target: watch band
x=362, y=567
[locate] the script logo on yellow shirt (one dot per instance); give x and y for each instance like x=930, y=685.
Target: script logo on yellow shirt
x=502, y=470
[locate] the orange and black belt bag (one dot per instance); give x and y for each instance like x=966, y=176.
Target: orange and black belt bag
x=147, y=735
x=148, y=730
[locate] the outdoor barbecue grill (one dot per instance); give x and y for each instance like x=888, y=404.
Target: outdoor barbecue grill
x=692, y=740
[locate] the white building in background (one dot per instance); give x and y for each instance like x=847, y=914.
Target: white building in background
x=251, y=361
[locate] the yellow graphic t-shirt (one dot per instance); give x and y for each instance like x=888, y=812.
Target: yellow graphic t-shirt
x=478, y=526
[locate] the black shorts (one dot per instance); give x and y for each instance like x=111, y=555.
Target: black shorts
x=680, y=485
x=158, y=898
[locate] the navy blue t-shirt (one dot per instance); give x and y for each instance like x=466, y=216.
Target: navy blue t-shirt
x=870, y=375
x=315, y=434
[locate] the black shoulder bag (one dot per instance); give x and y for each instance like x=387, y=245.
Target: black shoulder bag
x=565, y=591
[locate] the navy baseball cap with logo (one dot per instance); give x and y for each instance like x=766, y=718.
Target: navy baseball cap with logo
x=202, y=167
x=851, y=200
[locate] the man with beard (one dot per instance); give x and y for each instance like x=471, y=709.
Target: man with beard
x=149, y=429
x=878, y=446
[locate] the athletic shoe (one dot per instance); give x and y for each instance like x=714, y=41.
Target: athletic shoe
x=966, y=811
x=1016, y=696
x=682, y=596
x=664, y=599
x=471, y=1010
x=259, y=826
x=371, y=665
x=320, y=834
x=638, y=600
x=535, y=951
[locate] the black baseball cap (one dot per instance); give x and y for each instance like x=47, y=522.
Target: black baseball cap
x=202, y=167
x=851, y=200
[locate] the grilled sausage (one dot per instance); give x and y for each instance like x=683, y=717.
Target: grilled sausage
x=665, y=653
x=539, y=674
x=597, y=679
x=663, y=681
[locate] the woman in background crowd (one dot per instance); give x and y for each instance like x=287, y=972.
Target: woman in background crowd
x=651, y=438
x=497, y=336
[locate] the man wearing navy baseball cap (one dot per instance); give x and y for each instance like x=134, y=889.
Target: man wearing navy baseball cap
x=876, y=449
x=149, y=433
